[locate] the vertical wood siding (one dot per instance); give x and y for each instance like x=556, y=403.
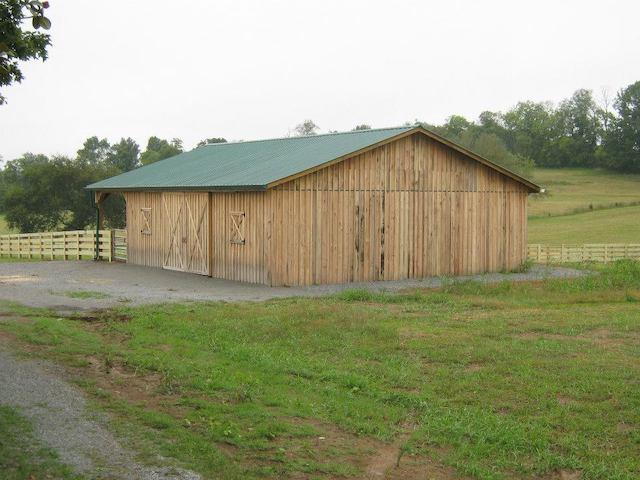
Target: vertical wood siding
x=244, y=262
x=408, y=209
x=179, y=237
x=145, y=249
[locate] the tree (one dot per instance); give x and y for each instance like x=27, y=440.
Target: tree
x=491, y=147
x=456, y=125
x=124, y=155
x=363, y=126
x=207, y=141
x=306, y=128
x=16, y=43
x=93, y=151
x=577, y=121
x=529, y=130
x=45, y=193
x=622, y=143
x=159, y=149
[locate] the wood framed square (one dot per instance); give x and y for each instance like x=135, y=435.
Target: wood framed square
x=237, y=228
x=145, y=214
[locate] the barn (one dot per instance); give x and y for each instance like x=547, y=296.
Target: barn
x=382, y=204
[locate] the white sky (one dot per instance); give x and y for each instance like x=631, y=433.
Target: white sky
x=254, y=69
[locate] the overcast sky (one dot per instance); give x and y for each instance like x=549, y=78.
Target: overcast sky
x=254, y=69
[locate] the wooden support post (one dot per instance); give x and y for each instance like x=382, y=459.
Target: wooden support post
x=100, y=197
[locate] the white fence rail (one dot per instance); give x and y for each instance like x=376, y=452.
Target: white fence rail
x=588, y=252
x=69, y=245
x=112, y=244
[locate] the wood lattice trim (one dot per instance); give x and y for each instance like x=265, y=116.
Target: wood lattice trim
x=237, y=228
x=146, y=221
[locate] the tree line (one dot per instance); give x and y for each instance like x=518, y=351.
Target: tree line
x=39, y=192
x=578, y=132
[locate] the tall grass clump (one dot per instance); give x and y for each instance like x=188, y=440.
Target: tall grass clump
x=621, y=274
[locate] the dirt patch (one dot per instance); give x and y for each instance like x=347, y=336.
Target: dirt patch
x=101, y=317
x=474, y=367
x=125, y=383
x=374, y=458
x=386, y=459
x=624, y=428
x=569, y=475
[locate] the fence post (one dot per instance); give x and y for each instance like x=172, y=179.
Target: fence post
x=113, y=245
x=606, y=254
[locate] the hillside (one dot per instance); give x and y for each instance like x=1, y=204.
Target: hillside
x=575, y=190
x=616, y=225
x=585, y=206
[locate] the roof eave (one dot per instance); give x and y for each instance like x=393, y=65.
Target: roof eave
x=533, y=188
x=217, y=188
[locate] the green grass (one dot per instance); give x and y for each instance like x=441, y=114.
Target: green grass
x=585, y=206
x=86, y=294
x=500, y=381
x=618, y=225
x=576, y=190
x=21, y=456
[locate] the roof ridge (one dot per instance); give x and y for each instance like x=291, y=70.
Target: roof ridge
x=404, y=127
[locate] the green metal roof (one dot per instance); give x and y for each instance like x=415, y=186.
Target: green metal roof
x=257, y=164
x=245, y=165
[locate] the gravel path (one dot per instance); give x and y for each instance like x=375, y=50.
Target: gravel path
x=60, y=418
x=48, y=284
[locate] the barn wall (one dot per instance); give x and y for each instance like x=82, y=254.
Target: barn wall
x=144, y=249
x=244, y=262
x=408, y=209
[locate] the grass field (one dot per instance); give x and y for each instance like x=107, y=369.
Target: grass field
x=573, y=190
x=491, y=382
x=617, y=225
x=585, y=206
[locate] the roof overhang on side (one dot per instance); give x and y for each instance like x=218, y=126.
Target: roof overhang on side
x=225, y=188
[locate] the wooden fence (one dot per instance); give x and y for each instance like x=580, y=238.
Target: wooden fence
x=589, y=252
x=119, y=239
x=80, y=244
x=70, y=245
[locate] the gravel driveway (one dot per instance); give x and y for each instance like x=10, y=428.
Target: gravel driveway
x=61, y=420
x=50, y=284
